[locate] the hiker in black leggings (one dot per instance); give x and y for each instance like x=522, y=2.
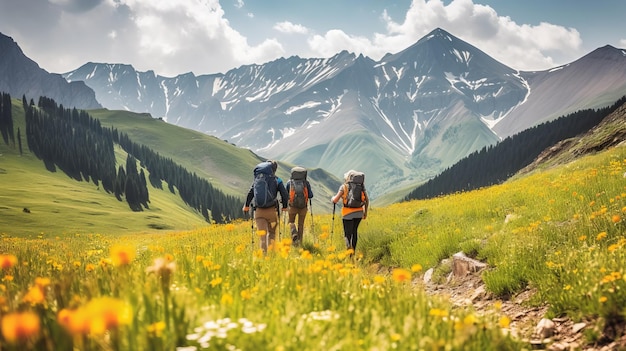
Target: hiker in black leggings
x=351, y=216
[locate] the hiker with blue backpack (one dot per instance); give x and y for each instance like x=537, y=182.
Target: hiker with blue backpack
x=263, y=197
x=355, y=205
x=300, y=195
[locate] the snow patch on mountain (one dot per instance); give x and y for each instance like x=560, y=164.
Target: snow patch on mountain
x=308, y=104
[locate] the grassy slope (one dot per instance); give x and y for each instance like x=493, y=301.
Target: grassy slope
x=226, y=166
x=59, y=204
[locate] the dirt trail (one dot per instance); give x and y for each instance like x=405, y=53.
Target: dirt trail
x=566, y=335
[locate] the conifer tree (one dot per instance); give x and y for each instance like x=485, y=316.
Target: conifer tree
x=19, y=140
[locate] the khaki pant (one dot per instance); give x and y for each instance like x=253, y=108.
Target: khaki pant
x=297, y=232
x=267, y=220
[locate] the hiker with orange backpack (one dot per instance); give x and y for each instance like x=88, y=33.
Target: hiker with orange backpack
x=355, y=205
x=262, y=196
x=300, y=195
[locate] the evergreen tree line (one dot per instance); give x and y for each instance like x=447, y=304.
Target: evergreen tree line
x=77, y=144
x=72, y=141
x=6, y=120
x=195, y=191
x=496, y=163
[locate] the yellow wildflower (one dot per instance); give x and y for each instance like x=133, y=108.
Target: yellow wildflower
x=401, y=275
x=156, y=329
x=504, y=322
x=122, y=255
x=227, y=299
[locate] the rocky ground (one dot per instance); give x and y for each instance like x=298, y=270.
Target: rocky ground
x=528, y=323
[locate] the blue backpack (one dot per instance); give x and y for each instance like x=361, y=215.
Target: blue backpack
x=265, y=186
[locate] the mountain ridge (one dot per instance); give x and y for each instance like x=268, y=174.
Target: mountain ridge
x=432, y=103
x=22, y=76
x=426, y=106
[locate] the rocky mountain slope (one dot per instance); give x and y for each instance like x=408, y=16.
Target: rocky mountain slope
x=21, y=76
x=402, y=119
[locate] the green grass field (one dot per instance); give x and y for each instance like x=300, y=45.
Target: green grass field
x=558, y=231
x=58, y=204
x=83, y=272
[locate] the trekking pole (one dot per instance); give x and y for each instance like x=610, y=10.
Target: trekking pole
x=251, y=214
x=332, y=226
x=312, y=223
x=285, y=221
x=277, y=239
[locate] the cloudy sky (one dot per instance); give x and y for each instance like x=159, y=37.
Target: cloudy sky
x=173, y=37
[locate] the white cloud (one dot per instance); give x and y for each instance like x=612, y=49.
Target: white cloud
x=622, y=43
x=174, y=37
x=205, y=42
x=288, y=27
x=169, y=37
x=523, y=47
x=336, y=40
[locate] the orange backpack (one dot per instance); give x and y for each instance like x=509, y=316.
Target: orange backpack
x=298, y=191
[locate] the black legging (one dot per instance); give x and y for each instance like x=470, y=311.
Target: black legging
x=350, y=227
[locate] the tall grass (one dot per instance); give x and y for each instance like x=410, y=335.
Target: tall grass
x=559, y=231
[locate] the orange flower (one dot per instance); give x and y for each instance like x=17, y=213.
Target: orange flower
x=401, y=275
x=7, y=261
x=42, y=283
x=20, y=326
x=616, y=219
x=34, y=296
x=122, y=255
x=76, y=322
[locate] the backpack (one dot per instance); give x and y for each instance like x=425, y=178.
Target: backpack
x=265, y=185
x=354, y=191
x=298, y=191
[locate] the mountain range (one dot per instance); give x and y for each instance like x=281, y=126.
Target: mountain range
x=401, y=119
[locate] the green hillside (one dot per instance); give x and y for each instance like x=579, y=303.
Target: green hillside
x=364, y=149
x=34, y=200
x=226, y=166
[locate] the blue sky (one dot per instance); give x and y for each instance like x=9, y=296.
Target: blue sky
x=172, y=37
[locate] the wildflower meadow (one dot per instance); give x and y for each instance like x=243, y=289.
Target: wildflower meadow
x=559, y=231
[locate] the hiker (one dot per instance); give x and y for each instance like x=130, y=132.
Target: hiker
x=299, y=190
x=355, y=205
x=262, y=196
